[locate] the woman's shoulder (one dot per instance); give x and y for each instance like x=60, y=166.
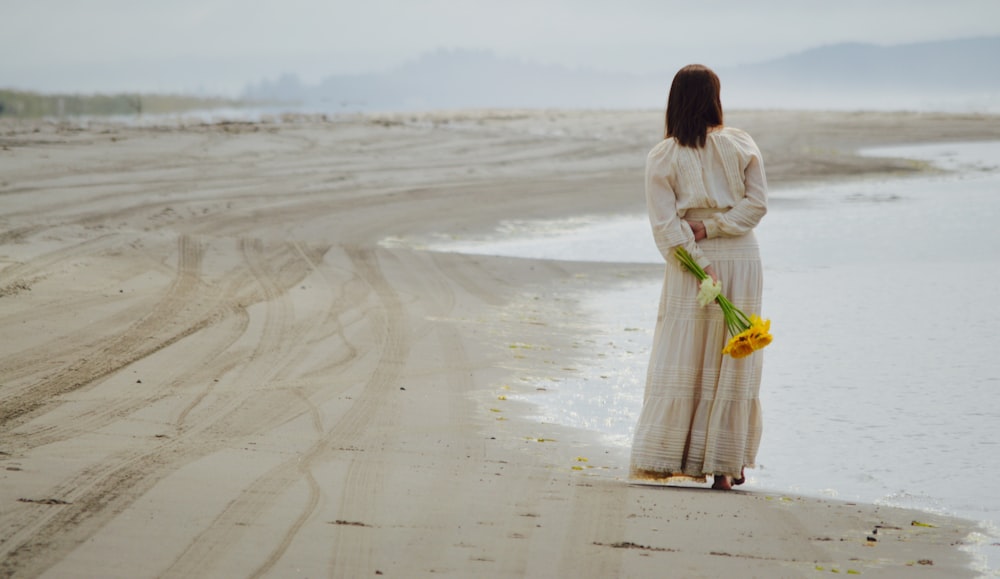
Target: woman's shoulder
x=663, y=146
x=663, y=150
x=733, y=132
x=739, y=137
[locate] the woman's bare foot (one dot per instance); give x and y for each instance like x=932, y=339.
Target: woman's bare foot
x=741, y=480
x=722, y=483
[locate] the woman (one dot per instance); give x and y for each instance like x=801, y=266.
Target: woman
x=705, y=191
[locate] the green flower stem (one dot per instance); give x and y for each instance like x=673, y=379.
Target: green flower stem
x=736, y=320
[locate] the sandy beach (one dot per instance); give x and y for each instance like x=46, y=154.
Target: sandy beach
x=214, y=366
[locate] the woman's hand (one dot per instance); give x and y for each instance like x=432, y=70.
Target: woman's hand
x=698, y=228
x=710, y=270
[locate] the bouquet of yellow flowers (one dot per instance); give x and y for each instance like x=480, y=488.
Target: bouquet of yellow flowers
x=749, y=333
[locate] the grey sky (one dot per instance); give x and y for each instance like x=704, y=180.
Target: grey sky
x=220, y=45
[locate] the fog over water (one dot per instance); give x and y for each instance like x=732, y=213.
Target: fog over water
x=392, y=54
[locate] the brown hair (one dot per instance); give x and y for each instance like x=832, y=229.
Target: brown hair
x=694, y=105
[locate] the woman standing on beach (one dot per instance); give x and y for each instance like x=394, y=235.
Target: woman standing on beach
x=705, y=191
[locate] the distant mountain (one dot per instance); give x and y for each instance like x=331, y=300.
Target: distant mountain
x=465, y=79
x=952, y=74
x=945, y=75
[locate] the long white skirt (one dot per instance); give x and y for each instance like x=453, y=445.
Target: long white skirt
x=701, y=410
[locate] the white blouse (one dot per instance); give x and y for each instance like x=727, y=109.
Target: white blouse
x=725, y=177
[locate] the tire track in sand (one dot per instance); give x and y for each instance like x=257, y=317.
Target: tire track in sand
x=304, y=468
x=363, y=478
x=352, y=548
x=138, y=341
x=223, y=309
x=32, y=538
x=214, y=542
x=305, y=464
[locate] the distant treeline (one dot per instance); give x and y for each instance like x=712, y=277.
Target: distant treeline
x=24, y=104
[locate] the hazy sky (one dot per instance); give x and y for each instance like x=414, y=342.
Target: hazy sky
x=218, y=46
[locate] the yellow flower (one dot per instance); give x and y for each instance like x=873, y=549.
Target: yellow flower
x=749, y=333
x=740, y=345
x=759, y=340
x=760, y=334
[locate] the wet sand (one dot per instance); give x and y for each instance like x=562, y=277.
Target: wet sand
x=212, y=367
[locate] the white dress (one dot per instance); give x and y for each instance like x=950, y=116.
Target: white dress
x=701, y=413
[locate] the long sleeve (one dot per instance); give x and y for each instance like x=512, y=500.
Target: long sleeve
x=749, y=210
x=669, y=230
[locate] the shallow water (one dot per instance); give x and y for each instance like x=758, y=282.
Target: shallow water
x=880, y=385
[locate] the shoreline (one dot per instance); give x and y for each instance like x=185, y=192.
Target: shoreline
x=215, y=342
